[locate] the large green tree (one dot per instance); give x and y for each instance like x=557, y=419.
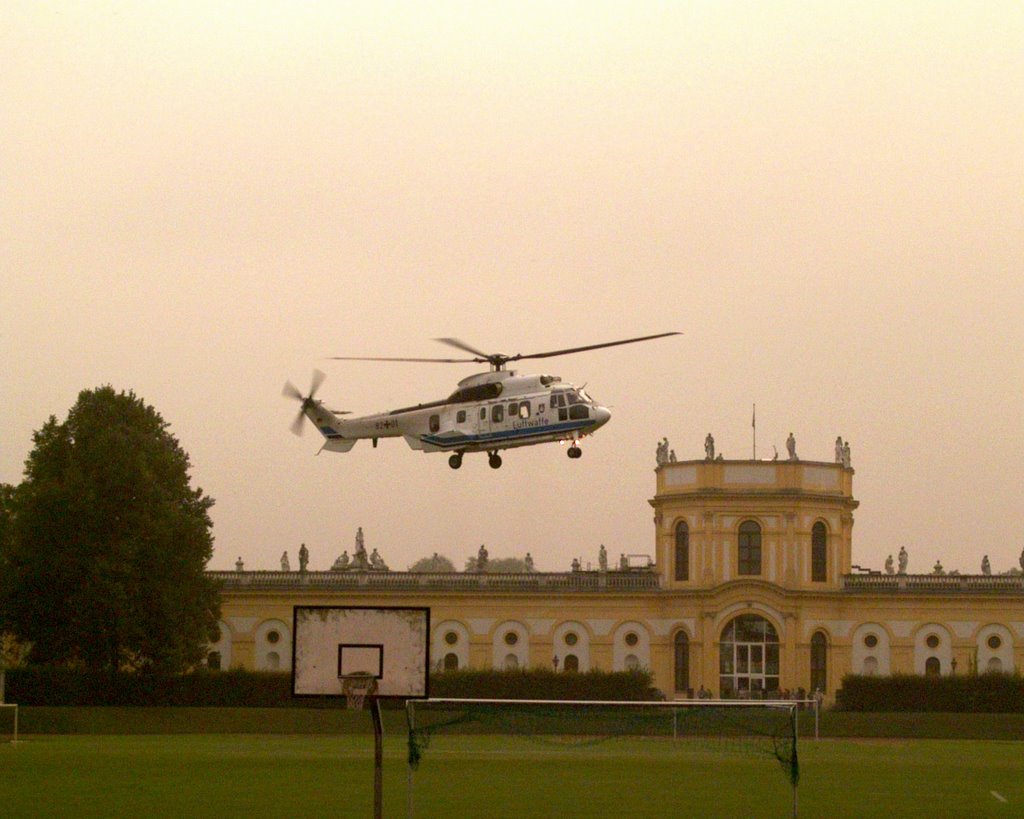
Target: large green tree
x=108, y=542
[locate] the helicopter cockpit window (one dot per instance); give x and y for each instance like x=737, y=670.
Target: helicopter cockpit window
x=578, y=412
x=574, y=397
x=497, y=413
x=557, y=399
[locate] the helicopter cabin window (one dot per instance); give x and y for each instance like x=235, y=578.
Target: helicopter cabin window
x=497, y=413
x=558, y=399
x=483, y=413
x=435, y=423
x=460, y=417
x=579, y=412
x=521, y=410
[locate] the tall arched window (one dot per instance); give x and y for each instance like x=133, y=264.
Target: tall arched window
x=819, y=553
x=932, y=667
x=819, y=662
x=682, y=551
x=572, y=663
x=682, y=661
x=749, y=541
x=451, y=661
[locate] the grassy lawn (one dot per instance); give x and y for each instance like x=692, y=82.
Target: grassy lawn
x=262, y=775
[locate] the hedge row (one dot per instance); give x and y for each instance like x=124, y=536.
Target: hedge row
x=543, y=684
x=985, y=693
x=65, y=686
x=52, y=686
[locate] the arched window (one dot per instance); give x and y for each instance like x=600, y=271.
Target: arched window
x=932, y=667
x=994, y=666
x=572, y=663
x=749, y=540
x=819, y=553
x=748, y=660
x=451, y=661
x=819, y=661
x=682, y=551
x=682, y=661
x=213, y=661
x=511, y=662
x=273, y=661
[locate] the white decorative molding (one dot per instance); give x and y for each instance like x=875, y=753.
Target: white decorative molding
x=600, y=627
x=243, y=625
x=902, y=628
x=680, y=475
x=758, y=474
x=481, y=625
x=540, y=626
x=663, y=627
x=837, y=628
x=821, y=477
x=963, y=628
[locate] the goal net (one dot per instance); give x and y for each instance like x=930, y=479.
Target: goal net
x=675, y=731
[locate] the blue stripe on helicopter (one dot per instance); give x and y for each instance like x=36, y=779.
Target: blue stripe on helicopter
x=461, y=439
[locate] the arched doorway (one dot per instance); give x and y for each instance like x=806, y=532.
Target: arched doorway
x=748, y=658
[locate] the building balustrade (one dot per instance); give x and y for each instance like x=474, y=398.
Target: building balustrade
x=927, y=583
x=450, y=581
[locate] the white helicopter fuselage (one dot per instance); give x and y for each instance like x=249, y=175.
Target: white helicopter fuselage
x=488, y=412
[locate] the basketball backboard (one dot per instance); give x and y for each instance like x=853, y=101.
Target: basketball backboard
x=332, y=642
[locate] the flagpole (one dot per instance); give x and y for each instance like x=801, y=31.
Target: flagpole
x=753, y=423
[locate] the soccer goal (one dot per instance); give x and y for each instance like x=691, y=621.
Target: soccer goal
x=672, y=731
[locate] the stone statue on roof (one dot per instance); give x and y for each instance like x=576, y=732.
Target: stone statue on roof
x=285, y=565
x=303, y=557
x=986, y=567
x=888, y=565
x=904, y=560
x=709, y=448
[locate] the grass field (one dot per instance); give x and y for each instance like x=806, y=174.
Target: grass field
x=264, y=775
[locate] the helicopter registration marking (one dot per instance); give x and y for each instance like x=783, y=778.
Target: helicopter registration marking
x=389, y=424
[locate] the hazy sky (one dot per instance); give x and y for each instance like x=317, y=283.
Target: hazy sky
x=199, y=201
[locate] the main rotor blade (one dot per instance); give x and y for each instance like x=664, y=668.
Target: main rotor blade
x=462, y=345
x=420, y=360
x=299, y=424
x=569, y=350
x=291, y=391
x=318, y=379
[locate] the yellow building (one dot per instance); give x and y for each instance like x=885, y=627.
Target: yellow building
x=751, y=591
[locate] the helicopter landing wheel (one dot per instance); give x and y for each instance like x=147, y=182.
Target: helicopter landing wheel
x=494, y=460
x=455, y=461
x=575, y=451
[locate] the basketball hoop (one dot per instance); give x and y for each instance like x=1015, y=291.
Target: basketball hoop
x=356, y=688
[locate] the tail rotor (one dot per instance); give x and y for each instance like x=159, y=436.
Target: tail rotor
x=305, y=401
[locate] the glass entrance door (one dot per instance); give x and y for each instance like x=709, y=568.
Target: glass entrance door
x=748, y=658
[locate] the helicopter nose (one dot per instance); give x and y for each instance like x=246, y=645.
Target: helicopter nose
x=601, y=416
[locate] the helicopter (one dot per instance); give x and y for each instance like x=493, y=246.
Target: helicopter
x=488, y=412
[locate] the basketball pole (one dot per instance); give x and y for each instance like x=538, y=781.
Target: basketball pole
x=378, y=759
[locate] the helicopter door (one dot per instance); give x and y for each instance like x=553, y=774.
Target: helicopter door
x=484, y=425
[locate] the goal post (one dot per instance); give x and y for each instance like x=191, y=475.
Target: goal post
x=766, y=728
